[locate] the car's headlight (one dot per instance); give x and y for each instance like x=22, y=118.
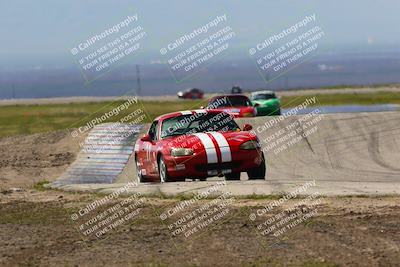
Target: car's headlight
x=178, y=152
x=250, y=145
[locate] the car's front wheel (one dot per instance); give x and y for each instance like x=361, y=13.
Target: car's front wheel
x=258, y=172
x=162, y=170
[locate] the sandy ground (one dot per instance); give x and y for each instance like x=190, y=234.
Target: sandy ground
x=36, y=230
x=28, y=159
x=83, y=99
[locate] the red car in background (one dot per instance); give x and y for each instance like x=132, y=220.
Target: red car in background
x=192, y=93
x=198, y=144
x=236, y=105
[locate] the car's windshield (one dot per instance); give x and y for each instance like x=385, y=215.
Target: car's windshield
x=197, y=123
x=263, y=96
x=230, y=101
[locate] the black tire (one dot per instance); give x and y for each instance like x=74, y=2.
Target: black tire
x=234, y=176
x=140, y=177
x=258, y=173
x=163, y=171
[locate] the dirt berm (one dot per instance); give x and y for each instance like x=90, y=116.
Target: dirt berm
x=338, y=147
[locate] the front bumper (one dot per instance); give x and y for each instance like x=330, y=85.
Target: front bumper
x=196, y=166
x=268, y=110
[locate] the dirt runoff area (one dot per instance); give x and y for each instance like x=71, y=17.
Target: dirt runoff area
x=38, y=228
x=28, y=159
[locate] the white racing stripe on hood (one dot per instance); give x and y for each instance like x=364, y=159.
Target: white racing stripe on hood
x=209, y=147
x=186, y=112
x=223, y=144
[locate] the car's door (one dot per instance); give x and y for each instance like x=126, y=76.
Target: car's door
x=152, y=150
x=146, y=151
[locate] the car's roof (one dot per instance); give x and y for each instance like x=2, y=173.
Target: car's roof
x=263, y=92
x=185, y=112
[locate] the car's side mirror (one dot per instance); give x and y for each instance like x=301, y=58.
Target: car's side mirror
x=145, y=138
x=247, y=127
x=256, y=105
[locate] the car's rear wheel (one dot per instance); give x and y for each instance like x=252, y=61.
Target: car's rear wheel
x=140, y=177
x=234, y=176
x=162, y=169
x=258, y=172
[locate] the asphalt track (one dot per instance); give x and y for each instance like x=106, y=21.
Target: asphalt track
x=345, y=154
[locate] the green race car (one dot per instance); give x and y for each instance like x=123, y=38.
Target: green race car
x=266, y=103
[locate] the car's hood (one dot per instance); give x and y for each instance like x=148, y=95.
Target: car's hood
x=199, y=141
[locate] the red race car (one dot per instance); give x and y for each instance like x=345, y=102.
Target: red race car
x=192, y=93
x=236, y=105
x=198, y=144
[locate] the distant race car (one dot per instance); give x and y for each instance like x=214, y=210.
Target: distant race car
x=236, y=105
x=198, y=144
x=266, y=103
x=236, y=90
x=192, y=93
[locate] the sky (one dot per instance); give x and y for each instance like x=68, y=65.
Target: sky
x=45, y=31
